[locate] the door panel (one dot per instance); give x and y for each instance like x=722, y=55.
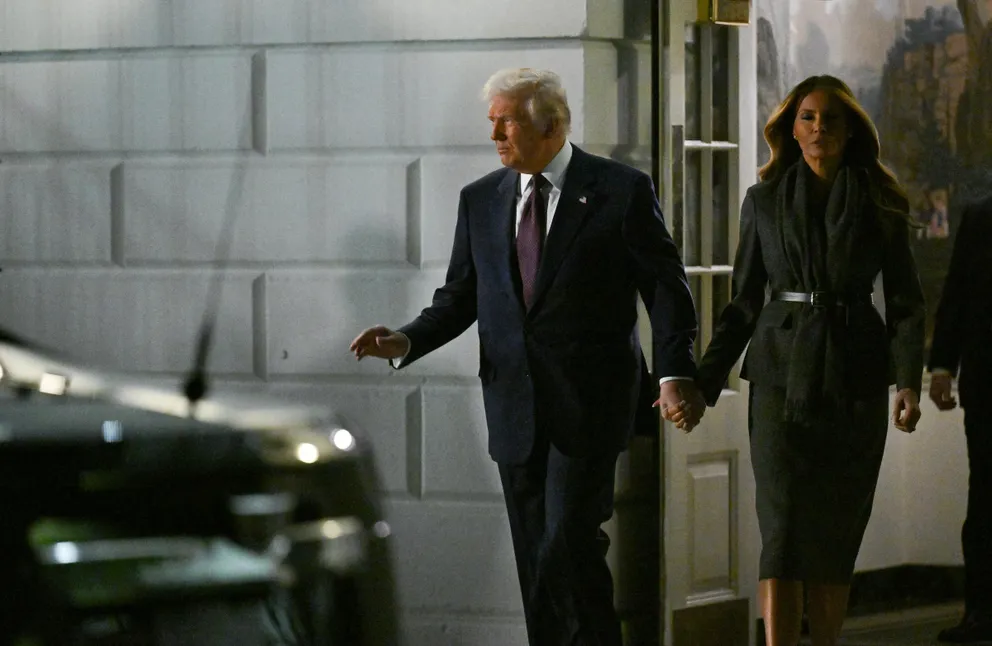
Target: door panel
x=712, y=505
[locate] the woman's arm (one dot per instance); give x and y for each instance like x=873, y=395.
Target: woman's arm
x=905, y=310
x=738, y=319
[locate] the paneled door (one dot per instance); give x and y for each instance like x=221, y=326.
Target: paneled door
x=708, y=137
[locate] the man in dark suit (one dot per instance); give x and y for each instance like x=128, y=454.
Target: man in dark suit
x=962, y=347
x=549, y=255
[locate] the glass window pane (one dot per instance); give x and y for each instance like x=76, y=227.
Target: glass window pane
x=696, y=285
x=693, y=106
x=722, y=253
x=721, y=82
x=721, y=296
x=691, y=244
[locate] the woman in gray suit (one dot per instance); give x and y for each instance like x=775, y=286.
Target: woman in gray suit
x=826, y=218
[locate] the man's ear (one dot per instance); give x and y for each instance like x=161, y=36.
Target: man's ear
x=551, y=128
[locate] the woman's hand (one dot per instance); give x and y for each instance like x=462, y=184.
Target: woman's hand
x=906, y=410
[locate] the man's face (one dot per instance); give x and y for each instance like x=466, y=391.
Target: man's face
x=520, y=144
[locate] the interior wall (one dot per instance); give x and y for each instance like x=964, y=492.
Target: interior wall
x=341, y=132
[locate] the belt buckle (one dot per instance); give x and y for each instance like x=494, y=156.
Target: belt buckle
x=818, y=299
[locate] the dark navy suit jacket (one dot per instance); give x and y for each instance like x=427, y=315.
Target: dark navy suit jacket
x=571, y=367
x=962, y=336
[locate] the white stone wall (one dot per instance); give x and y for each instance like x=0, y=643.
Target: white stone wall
x=340, y=131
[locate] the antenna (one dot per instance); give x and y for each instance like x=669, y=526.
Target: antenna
x=197, y=383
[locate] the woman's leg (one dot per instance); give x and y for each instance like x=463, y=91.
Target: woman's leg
x=826, y=606
x=782, y=609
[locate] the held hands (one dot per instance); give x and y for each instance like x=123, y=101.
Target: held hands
x=381, y=342
x=940, y=391
x=681, y=403
x=906, y=410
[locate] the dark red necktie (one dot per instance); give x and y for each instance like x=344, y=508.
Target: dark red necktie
x=530, y=238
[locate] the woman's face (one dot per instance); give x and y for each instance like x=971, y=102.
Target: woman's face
x=821, y=126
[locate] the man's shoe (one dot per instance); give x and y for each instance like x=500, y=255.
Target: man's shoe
x=974, y=629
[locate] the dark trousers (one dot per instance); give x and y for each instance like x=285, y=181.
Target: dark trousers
x=976, y=536
x=556, y=505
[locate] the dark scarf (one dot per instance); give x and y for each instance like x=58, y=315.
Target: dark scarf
x=820, y=251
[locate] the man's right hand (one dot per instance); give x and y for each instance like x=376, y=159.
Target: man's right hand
x=681, y=403
x=381, y=342
x=940, y=391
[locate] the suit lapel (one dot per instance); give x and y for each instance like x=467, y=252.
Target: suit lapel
x=502, y=217
x=570, y=214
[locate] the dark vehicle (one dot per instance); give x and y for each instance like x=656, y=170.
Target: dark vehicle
x=130, y=516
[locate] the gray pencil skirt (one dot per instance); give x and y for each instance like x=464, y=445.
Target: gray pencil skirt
x=814, y=486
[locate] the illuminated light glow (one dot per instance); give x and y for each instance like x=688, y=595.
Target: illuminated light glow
x=53, y=384
x=381, y=529
x=1, y=371
x=331, y=529
x=65, y=552
x=343, y=439
x=113, y=431
x=307, y=453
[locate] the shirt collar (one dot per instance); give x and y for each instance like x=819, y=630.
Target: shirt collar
x=554, y=172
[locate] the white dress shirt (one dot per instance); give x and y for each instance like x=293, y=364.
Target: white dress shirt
x=554, y=172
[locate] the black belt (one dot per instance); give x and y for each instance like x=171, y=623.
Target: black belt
x=822, y=299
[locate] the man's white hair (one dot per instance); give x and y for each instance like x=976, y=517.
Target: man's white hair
x=542, y=91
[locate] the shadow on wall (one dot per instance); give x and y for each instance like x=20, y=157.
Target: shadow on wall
x=634, y=122
x=637, y=19
x=635, y=88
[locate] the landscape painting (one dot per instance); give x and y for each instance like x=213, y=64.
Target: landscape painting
x=923, y=71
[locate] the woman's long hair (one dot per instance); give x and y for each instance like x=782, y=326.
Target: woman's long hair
x=862, y=149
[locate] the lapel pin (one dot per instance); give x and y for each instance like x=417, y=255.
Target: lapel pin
x=582, y=200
